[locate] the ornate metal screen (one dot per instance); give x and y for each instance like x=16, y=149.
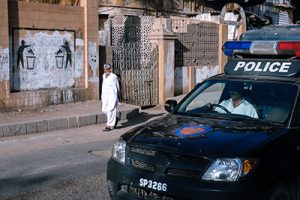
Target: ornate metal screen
x=197, y=44
x=135, y=60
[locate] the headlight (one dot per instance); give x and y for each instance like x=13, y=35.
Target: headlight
x=118, y=152
x=228, y=169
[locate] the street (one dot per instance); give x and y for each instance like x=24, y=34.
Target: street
x=67, y=164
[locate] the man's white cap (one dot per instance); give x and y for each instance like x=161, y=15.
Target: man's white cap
x=106, y=66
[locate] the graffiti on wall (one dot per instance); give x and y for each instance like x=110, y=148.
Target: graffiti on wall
x=20, y=56
x=44, y=59
x=68, y=53
x=4, y=63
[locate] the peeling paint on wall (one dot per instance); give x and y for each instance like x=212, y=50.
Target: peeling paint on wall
x=181, y=80
x=35, y=98
x=4, y=64
x=59, y=96
x=202, y=73
x=169, y=67
x=45, y=60
x=29, y=99
x=93, y=61
x=78, y=67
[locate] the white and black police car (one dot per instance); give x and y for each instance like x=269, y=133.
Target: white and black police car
x=204, y=149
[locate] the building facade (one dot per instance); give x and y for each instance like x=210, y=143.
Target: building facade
x=51, y=50
x=277, y=12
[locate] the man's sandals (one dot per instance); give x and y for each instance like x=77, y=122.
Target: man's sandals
x=106, y=129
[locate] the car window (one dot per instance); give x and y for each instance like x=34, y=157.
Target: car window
x=270, y=102
x=210, y=95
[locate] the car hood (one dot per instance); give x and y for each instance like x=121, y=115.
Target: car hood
x=203, y=136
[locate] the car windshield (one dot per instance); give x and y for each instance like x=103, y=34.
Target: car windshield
x=266, y=102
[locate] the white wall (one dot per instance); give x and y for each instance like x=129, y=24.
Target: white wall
x=4, y=64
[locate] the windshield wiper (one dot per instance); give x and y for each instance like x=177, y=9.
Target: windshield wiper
x=214, y=115
x=194, y=114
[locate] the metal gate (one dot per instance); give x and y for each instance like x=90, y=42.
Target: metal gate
x=135, y=60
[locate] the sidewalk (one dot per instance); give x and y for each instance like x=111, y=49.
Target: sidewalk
x=57, y=117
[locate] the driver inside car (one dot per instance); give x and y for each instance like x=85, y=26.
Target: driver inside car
x=236, y=104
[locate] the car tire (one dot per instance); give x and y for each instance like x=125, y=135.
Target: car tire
x=279, y=192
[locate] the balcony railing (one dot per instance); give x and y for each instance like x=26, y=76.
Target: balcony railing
x=61, y=2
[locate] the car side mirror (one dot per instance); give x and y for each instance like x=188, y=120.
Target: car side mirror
x=170, y=105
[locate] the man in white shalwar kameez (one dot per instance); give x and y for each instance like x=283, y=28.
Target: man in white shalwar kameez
x=109, y=96
x=237, y=104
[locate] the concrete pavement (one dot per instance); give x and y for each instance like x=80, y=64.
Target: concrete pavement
x=58, y=117
x=65, y=116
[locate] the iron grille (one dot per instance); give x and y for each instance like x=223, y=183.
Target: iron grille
x=199, y=46
x=139, y=79
x=135, y=59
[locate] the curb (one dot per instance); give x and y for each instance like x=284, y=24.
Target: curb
x=53, y=124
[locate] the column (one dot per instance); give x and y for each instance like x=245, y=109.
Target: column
x=4, y=54
x=165, y=39
x=91, y=53
x=223, y=37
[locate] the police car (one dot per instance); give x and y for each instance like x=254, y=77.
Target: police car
x=201, y=150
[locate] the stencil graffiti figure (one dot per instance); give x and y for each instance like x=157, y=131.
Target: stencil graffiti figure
x=66, y=48
x=20, y=53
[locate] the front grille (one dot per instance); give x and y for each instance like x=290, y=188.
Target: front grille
x=142, y=165
x=166, y=163
x=143, y=151
x=144, y=194
x=183, y=173
x=187, y=159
